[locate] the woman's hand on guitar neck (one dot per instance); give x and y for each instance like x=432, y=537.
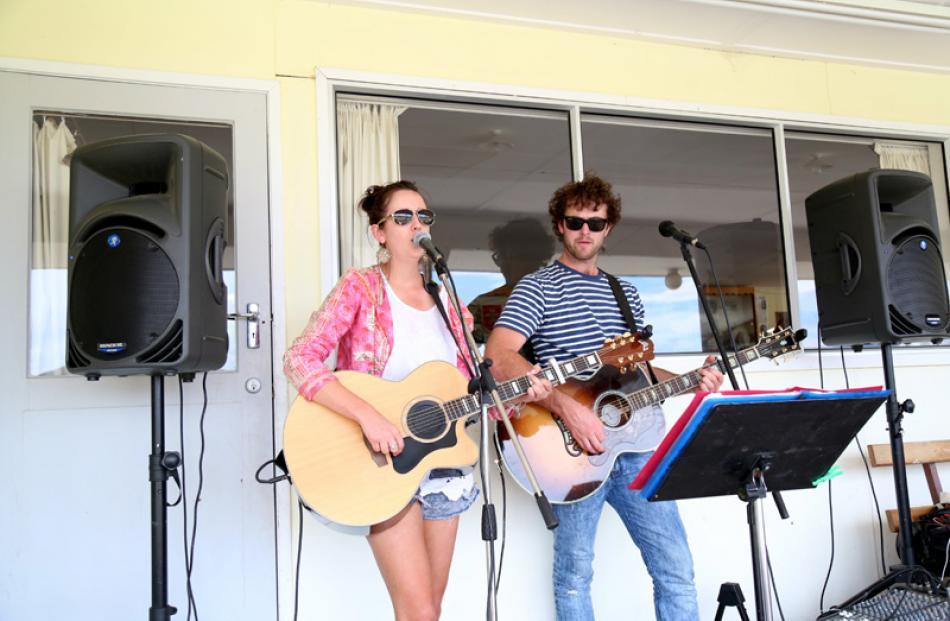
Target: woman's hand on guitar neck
x=382, y=435
x=585, y=427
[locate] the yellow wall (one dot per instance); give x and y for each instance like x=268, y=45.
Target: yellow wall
x=286, y=39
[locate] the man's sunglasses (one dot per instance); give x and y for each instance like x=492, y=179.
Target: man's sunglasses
x=596, y=225
x=402, y=217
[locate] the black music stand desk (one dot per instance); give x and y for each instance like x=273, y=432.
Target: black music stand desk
x=724, y=444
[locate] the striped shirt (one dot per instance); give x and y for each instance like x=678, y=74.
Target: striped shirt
x=564, y=313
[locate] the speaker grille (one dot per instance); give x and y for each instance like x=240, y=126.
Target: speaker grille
x=124, y=294
x=166, y=350
x=916, y=286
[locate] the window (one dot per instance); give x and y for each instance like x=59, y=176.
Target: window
x=717, y=182
x=489, y=170
x=486, y=171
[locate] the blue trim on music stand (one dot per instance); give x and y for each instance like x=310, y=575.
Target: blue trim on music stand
x=713, y=400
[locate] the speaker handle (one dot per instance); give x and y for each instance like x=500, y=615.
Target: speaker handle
x=214, y=260
x=850, y=272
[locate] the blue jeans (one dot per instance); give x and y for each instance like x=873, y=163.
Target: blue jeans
x=655, y=528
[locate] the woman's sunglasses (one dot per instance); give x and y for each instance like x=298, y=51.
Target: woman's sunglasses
x=596, y=225
x=402, y=217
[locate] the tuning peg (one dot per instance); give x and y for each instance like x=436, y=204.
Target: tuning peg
x=623, y=370
x=626, y=335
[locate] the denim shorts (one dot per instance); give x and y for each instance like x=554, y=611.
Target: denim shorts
x=446, y=493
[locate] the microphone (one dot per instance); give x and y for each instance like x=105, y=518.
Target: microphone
x=668, y=229
x=424, y=241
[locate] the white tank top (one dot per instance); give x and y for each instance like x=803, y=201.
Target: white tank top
x=418, y=337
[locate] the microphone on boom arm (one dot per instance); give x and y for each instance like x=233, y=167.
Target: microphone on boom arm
x=668, y=229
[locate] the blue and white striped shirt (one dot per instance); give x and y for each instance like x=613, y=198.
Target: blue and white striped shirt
x=564, y=313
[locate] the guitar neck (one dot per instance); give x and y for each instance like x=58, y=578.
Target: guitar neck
x=688, y=381
x=515, y=388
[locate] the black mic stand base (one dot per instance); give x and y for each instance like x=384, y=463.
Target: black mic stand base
x=730, y=594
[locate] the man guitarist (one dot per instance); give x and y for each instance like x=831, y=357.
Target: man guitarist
x=565, y=310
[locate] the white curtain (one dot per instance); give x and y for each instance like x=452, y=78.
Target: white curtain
x=903, y=156
x=52, y=144
x=368, y=154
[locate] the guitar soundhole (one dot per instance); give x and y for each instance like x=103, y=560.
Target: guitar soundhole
x=426, y=420
x=613, y=409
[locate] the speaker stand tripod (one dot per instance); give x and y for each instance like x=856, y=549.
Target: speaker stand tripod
x=895, y=417
x=161, y=465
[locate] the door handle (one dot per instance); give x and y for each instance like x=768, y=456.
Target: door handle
x=253, y=318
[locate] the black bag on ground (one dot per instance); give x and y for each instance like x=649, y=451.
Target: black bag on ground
x=929, y=536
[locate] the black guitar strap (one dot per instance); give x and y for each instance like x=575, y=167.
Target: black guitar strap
x=432, y=288
x=624, y=305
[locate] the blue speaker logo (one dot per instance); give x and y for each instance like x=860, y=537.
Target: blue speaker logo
x=923, y=244
x=113, y=240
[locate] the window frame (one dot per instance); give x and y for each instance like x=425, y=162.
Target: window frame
x=330, y=82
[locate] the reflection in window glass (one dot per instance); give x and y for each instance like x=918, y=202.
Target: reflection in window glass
x=716, y=182
x=671, y=312
x=486, y=171
x=815, y=161
x=55, y=137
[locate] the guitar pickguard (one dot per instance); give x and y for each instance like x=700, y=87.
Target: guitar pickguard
x=415, y=451
x=641, y=433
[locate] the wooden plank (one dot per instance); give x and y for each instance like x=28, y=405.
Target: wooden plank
x=933, y=482
x=915, y=513
x=929, y=452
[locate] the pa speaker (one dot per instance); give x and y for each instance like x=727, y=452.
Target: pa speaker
x=875, y=247
x=147, y=229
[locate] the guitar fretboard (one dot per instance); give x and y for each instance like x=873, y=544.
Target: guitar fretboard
x=686, y=382
x=512, y=389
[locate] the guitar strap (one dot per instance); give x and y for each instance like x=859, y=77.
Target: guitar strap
x=624, y=305
x=432, y=288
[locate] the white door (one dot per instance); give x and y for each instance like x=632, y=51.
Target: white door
x=75, y=518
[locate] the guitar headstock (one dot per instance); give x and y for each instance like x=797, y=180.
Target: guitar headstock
x=780, y=341
x=625, y=350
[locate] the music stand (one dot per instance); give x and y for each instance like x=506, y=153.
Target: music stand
x=731, y=440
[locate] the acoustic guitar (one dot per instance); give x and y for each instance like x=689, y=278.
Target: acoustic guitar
x=339, y=476
x=627, y=405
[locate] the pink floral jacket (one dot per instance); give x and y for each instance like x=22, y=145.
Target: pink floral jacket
x=356, y=318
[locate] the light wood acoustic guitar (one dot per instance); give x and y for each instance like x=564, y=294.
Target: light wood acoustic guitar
x=626, y=405
x=339, y=476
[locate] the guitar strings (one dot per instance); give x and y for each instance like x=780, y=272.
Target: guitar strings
x=436, y=416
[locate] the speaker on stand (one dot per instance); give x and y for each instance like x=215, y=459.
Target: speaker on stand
x=146, y=295
x=879, y=279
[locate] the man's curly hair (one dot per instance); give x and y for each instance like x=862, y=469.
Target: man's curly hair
x=589, y=193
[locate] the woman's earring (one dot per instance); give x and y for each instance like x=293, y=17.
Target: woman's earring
x=383, y=255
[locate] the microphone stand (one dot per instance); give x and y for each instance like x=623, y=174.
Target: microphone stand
x=754, y=510
x=485, y=383
x=688, y=257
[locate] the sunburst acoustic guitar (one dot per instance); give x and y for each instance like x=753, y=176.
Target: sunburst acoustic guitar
x=624, y=403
